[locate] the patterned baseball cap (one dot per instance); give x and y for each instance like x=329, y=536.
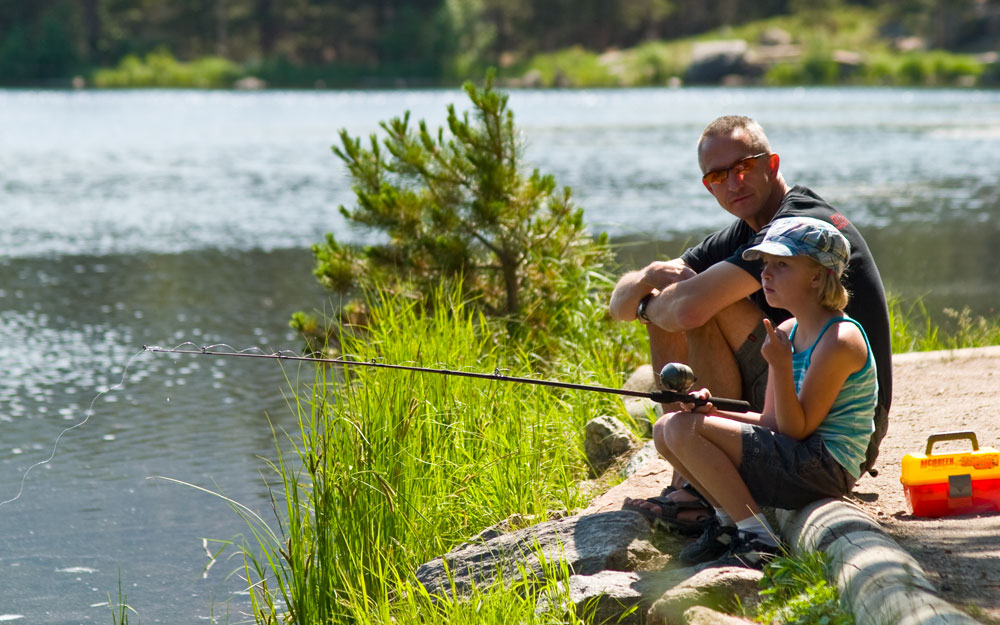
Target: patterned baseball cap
x=804, y=236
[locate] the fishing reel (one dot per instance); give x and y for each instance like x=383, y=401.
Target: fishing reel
x=677, y=376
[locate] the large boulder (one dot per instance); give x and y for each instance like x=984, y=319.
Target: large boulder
x=723, y=589
x=588, y=544
x=714, y=61
x=621, y=597
x=700, y=615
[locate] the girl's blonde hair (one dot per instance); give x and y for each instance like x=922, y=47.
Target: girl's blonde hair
x=833, y=294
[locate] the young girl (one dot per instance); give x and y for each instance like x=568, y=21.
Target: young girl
x=809, y=442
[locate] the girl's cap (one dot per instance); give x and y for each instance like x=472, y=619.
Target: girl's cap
x=804, y=236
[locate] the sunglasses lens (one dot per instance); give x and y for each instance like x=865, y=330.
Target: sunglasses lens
x=716, y=177
x=744, y=166
x=739, y=168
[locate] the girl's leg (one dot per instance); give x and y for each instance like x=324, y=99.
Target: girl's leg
x=708, y=450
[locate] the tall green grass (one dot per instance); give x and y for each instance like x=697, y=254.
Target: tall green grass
x=387, y=469
x=914, y=330
x=391, y=469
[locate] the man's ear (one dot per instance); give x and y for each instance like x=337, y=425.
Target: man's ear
x=773, y=161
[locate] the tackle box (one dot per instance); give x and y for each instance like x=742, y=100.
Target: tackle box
x=944, y=484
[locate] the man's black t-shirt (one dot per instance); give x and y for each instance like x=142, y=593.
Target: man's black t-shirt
x=867, y=303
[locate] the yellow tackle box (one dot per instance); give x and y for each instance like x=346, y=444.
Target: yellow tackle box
x=939, y=485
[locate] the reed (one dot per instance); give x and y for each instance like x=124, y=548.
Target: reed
x=389, y=470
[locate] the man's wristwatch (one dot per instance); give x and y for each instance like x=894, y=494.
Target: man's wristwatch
x=640, y=311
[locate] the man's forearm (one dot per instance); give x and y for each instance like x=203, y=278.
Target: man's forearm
x=633, y=286
x=625, y=298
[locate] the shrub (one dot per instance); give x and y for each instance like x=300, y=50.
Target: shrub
x=456, y=207
x=161, y=69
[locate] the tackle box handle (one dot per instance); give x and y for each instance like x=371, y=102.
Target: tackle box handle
x=951, y=436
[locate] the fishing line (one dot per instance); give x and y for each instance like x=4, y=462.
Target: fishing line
x=55, y=445
x=675, y=377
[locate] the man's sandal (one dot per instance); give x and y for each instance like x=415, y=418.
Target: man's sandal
x=668, y=516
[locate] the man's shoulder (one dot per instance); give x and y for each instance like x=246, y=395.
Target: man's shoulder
x=802, y=201
x=799, y=200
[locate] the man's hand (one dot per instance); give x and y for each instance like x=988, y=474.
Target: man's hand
x=661, y=274
x=635, y=285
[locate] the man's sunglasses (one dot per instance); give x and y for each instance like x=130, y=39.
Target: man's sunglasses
x=739, y=168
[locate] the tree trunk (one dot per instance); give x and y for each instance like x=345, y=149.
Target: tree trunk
x=266, y=27
x=92, y=22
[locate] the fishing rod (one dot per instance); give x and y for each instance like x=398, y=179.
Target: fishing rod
x=677, y=378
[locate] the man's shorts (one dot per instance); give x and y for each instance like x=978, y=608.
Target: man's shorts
x=782, y=472
x=753, y=367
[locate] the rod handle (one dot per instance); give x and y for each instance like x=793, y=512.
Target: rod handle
x=722, y=403
x=732, y=405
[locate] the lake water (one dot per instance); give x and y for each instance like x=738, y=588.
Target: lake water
x=154, y=217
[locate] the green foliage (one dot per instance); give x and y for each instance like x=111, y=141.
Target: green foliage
x=648, y=64
x=391, y=469
x=572, y=67
x=120, y=613
x=161, y=69
x=44, y=48
x=795, y=591
x=455, y=207
x=913, y=330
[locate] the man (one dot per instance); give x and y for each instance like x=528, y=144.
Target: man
x=706, y=308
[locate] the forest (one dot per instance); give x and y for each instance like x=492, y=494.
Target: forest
x=416, y=42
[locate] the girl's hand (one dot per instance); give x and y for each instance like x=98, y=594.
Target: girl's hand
x=777, y=348
x=705, y=408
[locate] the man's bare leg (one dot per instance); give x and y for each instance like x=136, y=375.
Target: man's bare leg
x=710, y=352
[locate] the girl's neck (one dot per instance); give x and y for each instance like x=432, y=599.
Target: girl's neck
x=811, y=320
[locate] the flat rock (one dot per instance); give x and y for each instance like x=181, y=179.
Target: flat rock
x=587, y=543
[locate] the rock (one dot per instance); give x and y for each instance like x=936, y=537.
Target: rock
x=848, y=62
x=249, y=83
x=718, y=588
x=532, y=79
x=711, y=61
x=611, y=594
x=588, y=544
x=775, y=36
x=649, y=480
x=910, y=44
x=700, y=615
x=642, y=409
x=606, y=440
x=635, y=464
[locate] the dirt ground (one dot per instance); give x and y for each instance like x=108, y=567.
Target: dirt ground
x=942, y=392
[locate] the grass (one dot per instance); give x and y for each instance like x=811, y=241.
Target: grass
x=120, y=612
x=913, y=329
x=387, y=470
x=392, y=469
x=795, y=591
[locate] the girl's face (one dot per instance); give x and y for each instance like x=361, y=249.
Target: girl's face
x=788, y=280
